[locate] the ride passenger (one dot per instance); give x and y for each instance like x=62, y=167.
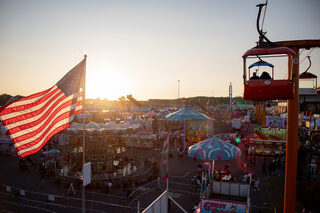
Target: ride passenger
x=265, y=76
x=254, y=76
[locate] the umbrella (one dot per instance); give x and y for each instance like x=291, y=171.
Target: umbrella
x=213, y=149
x=54, y=151
x=186, y=114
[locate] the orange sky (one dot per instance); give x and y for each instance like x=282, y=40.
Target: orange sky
x=143, y=47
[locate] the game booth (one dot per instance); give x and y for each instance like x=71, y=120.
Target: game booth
x=216, y=183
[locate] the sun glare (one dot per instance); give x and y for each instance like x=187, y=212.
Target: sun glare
x=101, y=84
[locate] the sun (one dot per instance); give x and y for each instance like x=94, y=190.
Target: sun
x=109, y=85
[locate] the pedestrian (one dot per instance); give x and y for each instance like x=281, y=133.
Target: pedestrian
x=256, y=183
x=71, y=189
x=180, y=154
x=264, y=171
x=271, y=168
x=106, y=186
x=124, y=194
x=109, y=186
x=158, y=183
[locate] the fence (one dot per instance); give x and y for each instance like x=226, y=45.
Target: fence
x=38, y=200
x=229, y=188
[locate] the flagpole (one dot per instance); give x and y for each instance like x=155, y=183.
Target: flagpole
x=83, y=135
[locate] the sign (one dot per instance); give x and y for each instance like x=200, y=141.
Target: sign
x=275, y=122
x=86, y=173
x=215, y=206
x=308, y=124
x=273, y=131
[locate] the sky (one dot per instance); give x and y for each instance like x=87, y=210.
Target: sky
x=143, y=47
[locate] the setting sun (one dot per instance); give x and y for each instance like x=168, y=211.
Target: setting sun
x=106, y=84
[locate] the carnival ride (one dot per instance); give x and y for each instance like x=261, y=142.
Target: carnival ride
x=266, y=89
x=283, y=89
x=134, y=101
x=305, y=79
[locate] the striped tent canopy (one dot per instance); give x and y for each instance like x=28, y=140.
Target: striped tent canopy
x=213, y=149
x=186, y=114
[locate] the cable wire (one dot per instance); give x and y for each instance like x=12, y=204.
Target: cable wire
x=307, y=55
x=264, y=15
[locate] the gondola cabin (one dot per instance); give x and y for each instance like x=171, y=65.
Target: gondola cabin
x=307, y=82
x=266, y=87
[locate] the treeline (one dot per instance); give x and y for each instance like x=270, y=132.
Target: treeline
x=185, y=102
x=4, y=98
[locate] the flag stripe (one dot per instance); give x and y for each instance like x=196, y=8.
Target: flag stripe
x=34, y=144
x=21, y=110
x=24, y=140
x=40, y=118
x=36, y=147
x=18, y=125
x=32, y=129
x=28, y=99
x=32, y=133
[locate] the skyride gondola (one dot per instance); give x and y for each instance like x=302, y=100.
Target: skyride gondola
x=271, y=88
x=308, y=82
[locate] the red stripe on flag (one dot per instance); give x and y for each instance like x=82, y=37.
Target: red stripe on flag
x=45, y=124
x=57, y=130
x=31, y=114
x=36, y=122
x=59, y=118
x=44, y=116
x=9, y=110
x=25, y=98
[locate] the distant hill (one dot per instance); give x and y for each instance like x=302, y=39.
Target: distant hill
x=191, y=101
x=5, y=98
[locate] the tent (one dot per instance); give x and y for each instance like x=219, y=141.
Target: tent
x=184, y=115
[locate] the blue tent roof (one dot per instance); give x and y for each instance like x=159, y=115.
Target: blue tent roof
x=261, y=63
x=186, y=114
x=214, y=149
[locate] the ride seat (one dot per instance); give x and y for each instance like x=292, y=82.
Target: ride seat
x=268, y=90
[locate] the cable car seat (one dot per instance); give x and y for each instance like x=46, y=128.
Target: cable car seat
x=268, y=89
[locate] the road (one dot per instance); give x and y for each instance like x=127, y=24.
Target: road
x=26, y=192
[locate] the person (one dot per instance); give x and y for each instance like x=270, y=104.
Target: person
x=180, y=153
x=254, y=76
x=265, y=76
x=124, y=194
x=71, y=189
x=106, y=186
x=264, y=171
x=158, y=183
x=110, y=186
x=256, y=183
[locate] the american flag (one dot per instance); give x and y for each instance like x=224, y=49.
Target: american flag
x=33, y=120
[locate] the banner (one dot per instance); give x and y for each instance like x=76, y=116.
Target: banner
x=212, y=206
x=165, y=158
x=275, y=122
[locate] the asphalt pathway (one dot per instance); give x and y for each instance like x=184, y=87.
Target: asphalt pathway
x=37, y=190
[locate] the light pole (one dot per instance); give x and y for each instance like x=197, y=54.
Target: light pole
x=178, y=92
